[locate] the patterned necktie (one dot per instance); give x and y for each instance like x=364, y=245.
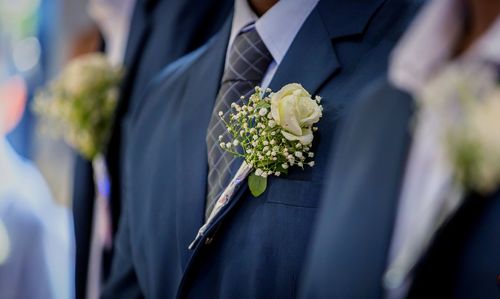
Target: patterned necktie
x=245, y=69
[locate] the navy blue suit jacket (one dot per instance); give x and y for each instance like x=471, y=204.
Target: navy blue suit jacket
x=160, y=32
x=256, y=247
x=350, y=248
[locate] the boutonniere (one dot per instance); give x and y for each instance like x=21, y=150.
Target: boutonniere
x=79, y=107
x=272, y=131
x=470, y=111
x=79, y=104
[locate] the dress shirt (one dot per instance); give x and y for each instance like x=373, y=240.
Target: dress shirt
x=277, y=27
x=428, y=192
x=113, y=18
x=22, y=180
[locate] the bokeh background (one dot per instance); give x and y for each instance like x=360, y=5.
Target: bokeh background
x=37, y=37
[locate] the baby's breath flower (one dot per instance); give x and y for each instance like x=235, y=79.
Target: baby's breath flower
x=311, y=164
x=262, y=138
x=221, y=113
x=311, y=155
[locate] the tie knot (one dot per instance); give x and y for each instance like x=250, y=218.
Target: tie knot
x=249, y=58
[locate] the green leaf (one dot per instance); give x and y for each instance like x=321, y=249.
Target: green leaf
x=257, y=184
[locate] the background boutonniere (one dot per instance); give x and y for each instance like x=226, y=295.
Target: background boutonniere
x=79, y=104
x=272, y=132
x=469, y=104
x=474, y=145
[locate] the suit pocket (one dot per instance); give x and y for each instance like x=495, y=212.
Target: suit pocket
x=293, y=192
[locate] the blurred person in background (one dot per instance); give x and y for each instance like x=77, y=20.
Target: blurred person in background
x=36, y=229
x=143, y=36
x=398, y=220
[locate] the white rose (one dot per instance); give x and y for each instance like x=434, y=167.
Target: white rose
x=294, y=110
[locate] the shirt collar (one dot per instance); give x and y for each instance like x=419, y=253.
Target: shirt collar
x=277, y=27
x=428, y=44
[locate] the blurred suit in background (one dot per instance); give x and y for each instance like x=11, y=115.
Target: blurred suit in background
x=160, y=32
x=393, y=224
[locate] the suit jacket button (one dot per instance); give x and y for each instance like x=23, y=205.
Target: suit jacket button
x=208, y=241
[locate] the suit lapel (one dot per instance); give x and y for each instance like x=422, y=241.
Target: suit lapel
x=199, y=98
x=140, y=29
x=311, y=59
x=140, y=26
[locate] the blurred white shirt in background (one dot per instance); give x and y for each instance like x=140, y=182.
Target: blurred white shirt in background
x=21, y=182
x=113, y=19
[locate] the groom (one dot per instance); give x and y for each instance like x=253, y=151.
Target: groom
x=394, y=224
x=174, y=171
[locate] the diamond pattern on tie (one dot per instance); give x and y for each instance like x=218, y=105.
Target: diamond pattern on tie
x=248, y=62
